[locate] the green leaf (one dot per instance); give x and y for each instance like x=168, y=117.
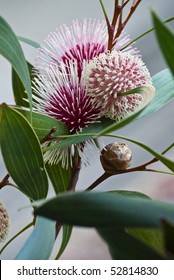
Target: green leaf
x=67, y=230
x=40, y=243
x=42, y=124
x=164, y=84
x=125, y=247
x=165, y=40
x=22, y=154
x=20, y=95
x=168, y=230
x=12, y=51
x=151, y=237
x=106, y=210
x=132, y=194
x=60, y=177
x=29, y=42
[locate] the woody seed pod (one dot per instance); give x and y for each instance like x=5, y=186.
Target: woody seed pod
x=116, y=156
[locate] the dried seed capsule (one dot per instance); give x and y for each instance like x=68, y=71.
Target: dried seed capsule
x=116, y=156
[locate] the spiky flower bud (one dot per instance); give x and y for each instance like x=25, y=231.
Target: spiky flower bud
x=116, y=156
x=112, y=73
x=4, y=223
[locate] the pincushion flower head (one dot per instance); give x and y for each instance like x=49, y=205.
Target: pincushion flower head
x=109, y=76
x=63, y=96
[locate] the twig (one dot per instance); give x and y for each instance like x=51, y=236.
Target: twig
x=122, y=23
x=5, y=181
x=75, y=171
x=132, y=10
x=49, y=136
x=102, y=178
x=142, y=167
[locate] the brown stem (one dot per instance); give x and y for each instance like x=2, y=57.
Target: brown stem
x=132, y=10
x=75, y=171
x=73, y=182
x=58, y=228
x=111, y=29
x=102, y=178
x=5, y=181
x=122, y=24
x=142, y=167
x=116, y=13
x=49, y=136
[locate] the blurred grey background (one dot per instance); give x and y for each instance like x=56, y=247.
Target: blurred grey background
x=34, y=20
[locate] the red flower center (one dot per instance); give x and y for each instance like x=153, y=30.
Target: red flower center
x=73, y=107
x=84, y=52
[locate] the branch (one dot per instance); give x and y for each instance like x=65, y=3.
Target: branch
x=132, y=10
x=49, y=136
x=5, y=181
x=75, y=171
x=142, y=167
x=122, y=23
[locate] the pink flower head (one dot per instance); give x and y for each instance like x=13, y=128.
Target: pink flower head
x=82, y=41
x=112, y=73
x=64, y=97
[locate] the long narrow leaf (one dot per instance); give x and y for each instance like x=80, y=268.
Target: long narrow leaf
x=12, y=51
x=165, y=40
x=22, y=154
x=20, y=95
x=153, y=238
x=29, y=42
x=125, y=247
x=106, y=210
x=40, y=243
x=59, y=176
x=66, y=234
x=168, y=230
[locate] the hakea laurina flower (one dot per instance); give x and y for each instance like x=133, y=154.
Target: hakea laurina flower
x=4, y=222
x=63, y=96
x=82, y=41
x=111, y=74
